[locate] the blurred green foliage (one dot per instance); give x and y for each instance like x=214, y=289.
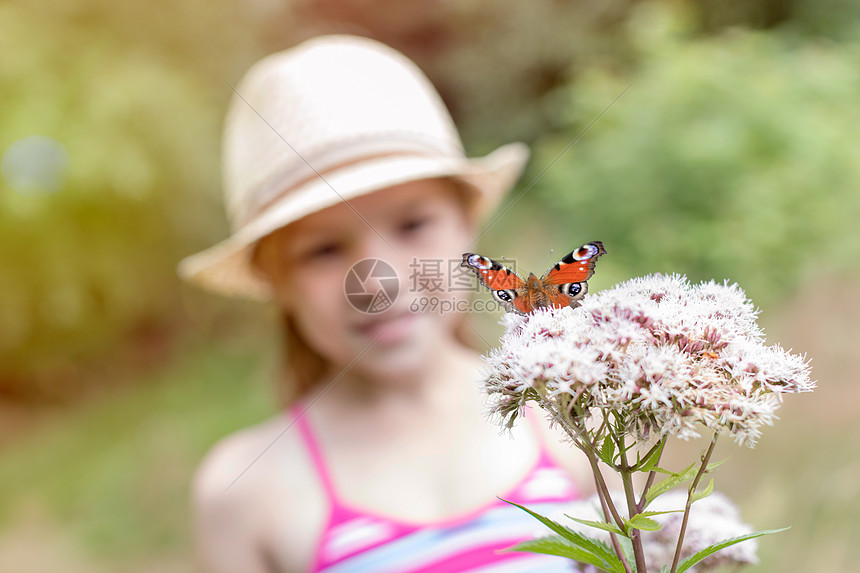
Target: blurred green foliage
x=703, y=167
x=734, y=157
x=135, y=96
x=115, y=473
x=734, y=154
x=89, y=268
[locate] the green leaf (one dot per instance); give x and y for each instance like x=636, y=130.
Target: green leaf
x=595, y=547
x=605, y=526
x=628, y=447
x=673, y=480
x=557, y=528
x=607, y=451
x=627, y=547
x=639, y=521
x=557, y=545
x=650, y=463
x=652, y=513
x=658, y=469
x=714, y=465
x=693, y=559
x=703, y=494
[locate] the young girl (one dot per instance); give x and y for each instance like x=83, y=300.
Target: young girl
x=335, y=152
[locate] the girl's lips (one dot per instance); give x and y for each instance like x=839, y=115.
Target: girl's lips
x=388, y=329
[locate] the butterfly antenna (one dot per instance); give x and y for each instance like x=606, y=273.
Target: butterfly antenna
x=540, y=264
x=510, y=263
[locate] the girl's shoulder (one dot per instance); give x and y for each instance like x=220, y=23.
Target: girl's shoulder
x=232, y=456
x=269, y=453
x=257, y=488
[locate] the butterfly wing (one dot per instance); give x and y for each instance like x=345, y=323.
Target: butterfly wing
x=502, y=281
x=566, y=280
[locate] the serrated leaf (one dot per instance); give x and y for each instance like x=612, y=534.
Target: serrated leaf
x=639, y=521
x=557, y=545
x=708, y=551
x=627, y=547
x=670, y=482
x=607, y=451
x=703, y=494
x=652, y=513
x=564, y=531
x=650, y=462
x=660, y=470
x=605, y=526
x=595, y=547
x=714, y=465
x=629, y=447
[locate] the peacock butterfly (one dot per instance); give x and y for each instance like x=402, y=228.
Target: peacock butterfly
x=562, y=285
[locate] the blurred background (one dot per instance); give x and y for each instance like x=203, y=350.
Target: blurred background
x=734, y=154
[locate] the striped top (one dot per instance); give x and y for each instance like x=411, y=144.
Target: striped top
x=357, y=541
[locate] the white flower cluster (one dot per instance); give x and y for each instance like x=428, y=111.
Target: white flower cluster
x=660, y=354
x=712, y=520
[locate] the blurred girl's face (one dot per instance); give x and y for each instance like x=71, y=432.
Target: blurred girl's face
x=420, y=229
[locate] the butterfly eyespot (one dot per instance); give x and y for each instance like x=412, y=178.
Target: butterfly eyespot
x=504, y=295
x=480, y=262
x=586, y=252
x=570, y=289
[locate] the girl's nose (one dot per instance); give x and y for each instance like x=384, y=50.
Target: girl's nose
x=375, y=245
x=395, y=261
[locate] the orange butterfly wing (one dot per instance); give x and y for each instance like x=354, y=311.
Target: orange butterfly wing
x=562, y=285
x=577, y=266
x=557, y=299
x=504, y=283
x=492, y=275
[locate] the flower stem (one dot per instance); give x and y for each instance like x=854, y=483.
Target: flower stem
x=608, y=506
x=632, y=508
x=652, y=474
x=604, y=490
x=705, y=459
x=617, y=546
x=577, y=434
x=579, y=437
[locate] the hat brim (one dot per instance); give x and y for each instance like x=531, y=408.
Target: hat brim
x=226, y=268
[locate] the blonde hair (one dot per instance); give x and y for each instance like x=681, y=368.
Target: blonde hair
x=301, y=366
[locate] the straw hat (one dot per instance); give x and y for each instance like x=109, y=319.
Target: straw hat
x=331, y=119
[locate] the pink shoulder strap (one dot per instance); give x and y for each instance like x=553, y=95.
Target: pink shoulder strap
x=301, y=422
x=548, y=479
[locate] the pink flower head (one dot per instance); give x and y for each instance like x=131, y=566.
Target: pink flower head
x=662, y=355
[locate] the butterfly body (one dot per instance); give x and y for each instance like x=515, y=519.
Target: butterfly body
x=564, y=284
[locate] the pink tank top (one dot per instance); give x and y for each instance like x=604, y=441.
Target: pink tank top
x=357, y=541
